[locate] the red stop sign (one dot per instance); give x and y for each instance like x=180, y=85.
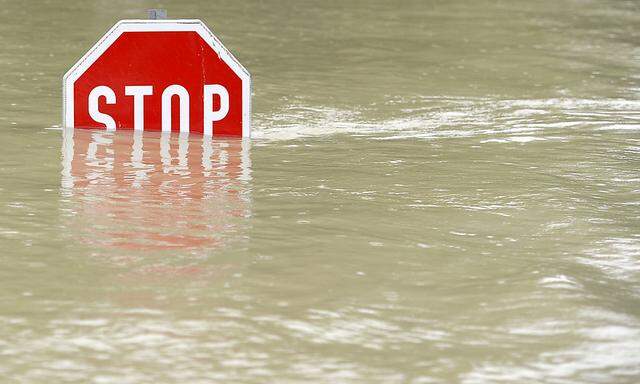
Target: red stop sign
x=159, y=75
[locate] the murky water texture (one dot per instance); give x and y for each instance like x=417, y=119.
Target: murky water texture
x=436, y=192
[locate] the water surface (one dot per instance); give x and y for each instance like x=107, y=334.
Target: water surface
x=436, y=192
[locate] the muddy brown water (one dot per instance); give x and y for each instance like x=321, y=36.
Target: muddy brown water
x=436, y=192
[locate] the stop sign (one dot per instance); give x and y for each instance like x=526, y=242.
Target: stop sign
x=159, y=75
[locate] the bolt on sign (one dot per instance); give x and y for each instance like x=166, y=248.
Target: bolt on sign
x=159, y=75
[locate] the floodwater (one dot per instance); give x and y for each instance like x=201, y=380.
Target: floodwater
x=436, y=192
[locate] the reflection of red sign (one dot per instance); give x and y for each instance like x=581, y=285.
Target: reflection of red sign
x=159, y=75
x=155, y=191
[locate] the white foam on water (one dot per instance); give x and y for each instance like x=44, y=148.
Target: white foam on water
x=610, y=341
x=521, y=121
x=615, y=257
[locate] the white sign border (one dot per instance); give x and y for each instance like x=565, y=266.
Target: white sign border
x=189, y=25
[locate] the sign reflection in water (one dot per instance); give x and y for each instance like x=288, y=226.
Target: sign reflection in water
x=129, y=194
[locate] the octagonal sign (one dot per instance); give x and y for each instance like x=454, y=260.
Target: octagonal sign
x=159, y=75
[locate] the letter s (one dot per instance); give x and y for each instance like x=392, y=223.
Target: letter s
x=96, y=115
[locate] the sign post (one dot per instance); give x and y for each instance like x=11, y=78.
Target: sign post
x=159, y=75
